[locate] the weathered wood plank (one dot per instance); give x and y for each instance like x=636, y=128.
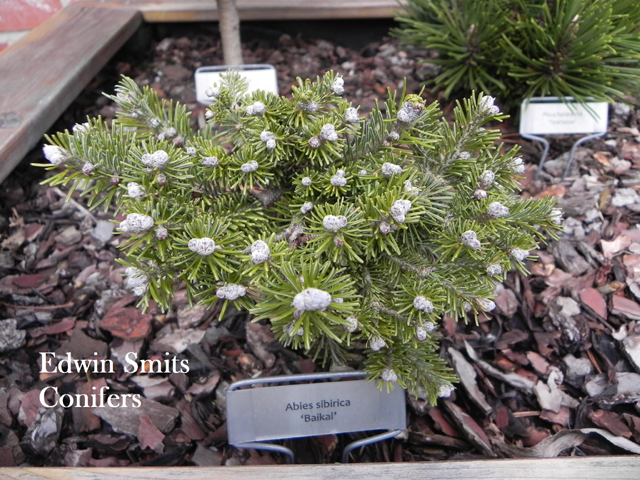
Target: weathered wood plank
x=566, y=468
x=42, y=73
x=205, y=10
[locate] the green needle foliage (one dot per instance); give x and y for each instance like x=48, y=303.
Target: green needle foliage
x=516, y=49
x=346, y=234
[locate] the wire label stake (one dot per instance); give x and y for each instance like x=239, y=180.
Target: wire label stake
x=301, y=410
x=562, y=116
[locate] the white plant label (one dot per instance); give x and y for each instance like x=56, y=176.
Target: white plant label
x=552, y=116
x=306, y=410
x=260, y=77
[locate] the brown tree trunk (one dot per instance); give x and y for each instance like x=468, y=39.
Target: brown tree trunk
x=230, y=32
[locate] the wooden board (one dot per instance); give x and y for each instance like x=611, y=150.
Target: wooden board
x=205, y=10
x=42, y=73
x=566, y=468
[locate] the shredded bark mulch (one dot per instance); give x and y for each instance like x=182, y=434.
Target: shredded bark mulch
x=554, y=370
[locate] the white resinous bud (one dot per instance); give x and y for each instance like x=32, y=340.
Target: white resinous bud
x=464, y=155
x=266, y=135
x=231, y=291
x=497, y=210
x=314, y=142
x=202, y=246
x=519, y=254
x=161, y=233
x=486, y=179
x=466, y=306
x=306, y=207
x=208, y=115
x=394, y=136
x=334, y=223
x=388, y=375
x=352, y=324
x=377, y=343
x=385, y=228
x=161, y=179
x=445, y=391
x=338, y=86
x=421, y=303
x=81, y=128
x=260, y=252
x=306, y=182
x=399, y=210
x=290, y=330
x=328, y=132
x=351, y=115
x=518, y=165
x=212, y=92
x=135, y=190
x=135, y=277
x=486, y=104
x=209, y=161
x=338, y=180
x=88, y=168
x=421, y=334
x=258, y=108
x=269, y=139
x=311, y=300
x=170, y=132
x=494, y=270
x=309, y=106
x=249, y=167
x=191, y=151
x=470, y=239
x=486, y=304
x=56, y=155
x=423, y=330
x=154, y=123
x=137, y=280
x=157, y=159
x=136, y=223
x=409, y=112
x=389, y=169
x=480, y=194
x=556, y=216
x=409, y=188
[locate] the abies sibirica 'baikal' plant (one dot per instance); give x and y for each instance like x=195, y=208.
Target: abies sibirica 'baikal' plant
x=346, y=234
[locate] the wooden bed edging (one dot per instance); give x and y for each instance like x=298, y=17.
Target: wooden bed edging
x=206, y=11
x=42, y=73
x=566, y=468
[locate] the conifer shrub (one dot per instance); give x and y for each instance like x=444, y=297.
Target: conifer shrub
x=348, y=235
x=517, y=49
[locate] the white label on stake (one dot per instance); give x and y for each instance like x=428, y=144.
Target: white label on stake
x=552, y=116
x=259, y=76
x=306, y=410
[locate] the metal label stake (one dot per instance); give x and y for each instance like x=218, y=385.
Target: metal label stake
x=297, y=410
x=562, y=116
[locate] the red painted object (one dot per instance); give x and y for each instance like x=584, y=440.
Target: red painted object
x=25, y=14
